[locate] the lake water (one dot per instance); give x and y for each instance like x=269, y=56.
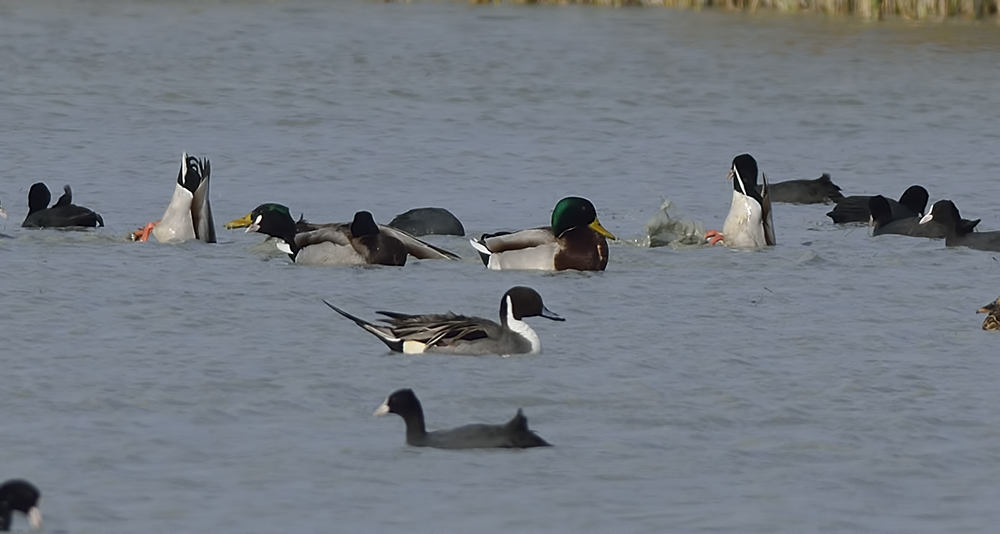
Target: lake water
x=836, y=383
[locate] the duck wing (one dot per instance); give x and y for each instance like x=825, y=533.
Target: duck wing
x=418, y=248
x=434, y=328
x=504, y=241
x=337, y=233
x=765, y=216
x=201, y=209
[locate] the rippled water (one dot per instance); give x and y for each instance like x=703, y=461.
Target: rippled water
x=835, y=383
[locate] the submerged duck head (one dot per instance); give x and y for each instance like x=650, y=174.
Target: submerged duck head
x=193, y=172
x=19, y=496
x=743, y=172
x=363, y=224
x=574, y=212
x=520, y=302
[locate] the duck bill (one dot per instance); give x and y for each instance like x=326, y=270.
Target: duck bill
x=596, y=226
x=35, y=518
x=549, y=314
x=3, y=213
x=989, y=308
x=927, y=218
x=242, y=222
x=382, y=410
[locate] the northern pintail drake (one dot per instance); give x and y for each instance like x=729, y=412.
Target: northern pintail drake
x=912, y=203
x=428, y=221
x=749, y=223
x=19, y=496
x=576, y=240
x=189, y=214
x=458, y=334
x=359, y=242
x=992, y=321
x=62, y=214
x=822, y=190
x=958, y=234
x=513, y=434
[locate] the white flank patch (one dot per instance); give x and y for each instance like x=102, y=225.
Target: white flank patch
x=35, y=518
x=927, y=218
x=413, y=347
x=521, y=328
x=284, y=247
x=382, y=410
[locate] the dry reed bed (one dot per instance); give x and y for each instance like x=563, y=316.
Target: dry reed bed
x=870, y=9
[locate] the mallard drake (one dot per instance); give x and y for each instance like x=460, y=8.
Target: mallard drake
x=576, y=240
x=308, y=234
x=513, y=434
x=19, y=496
x=912, y=203
x=992, y=321
x=458, y=334
x=189, y=214
x=62, y=214
x=749, y=223
x=822, y=190
x=958, y=234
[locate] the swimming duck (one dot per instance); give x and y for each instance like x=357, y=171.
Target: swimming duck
x=513, y=434
x=576, y=240
x=957, y=234
x=992, y=321
x=851, y=209
x=883, y=223
x=822, y=190
x=276, y=218
x=428, y=221
x=62, y=214
x=19, y=496
x=189, y=214
x=3, y=213
x=458, y=334
x=749, y=223
x=360, y=243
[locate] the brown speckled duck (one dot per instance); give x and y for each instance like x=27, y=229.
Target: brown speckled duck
x=992, y=321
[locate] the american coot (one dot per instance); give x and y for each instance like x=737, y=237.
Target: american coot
x=511, y=435
x=276, y=220
x=189, y=214
x=576, y=240
x=457, y=334
x=851, y=209
x=883, y=223
x=957, y=235
x=428, y=221
x=822, y=190
x=62, y=214
x=992, y=321
x=19, y=496
x=749, y=223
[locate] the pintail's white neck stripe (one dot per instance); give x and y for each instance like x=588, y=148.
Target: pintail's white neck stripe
x=521, y=328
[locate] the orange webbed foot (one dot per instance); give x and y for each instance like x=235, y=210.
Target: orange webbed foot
x=713, y=236
x=143, y=233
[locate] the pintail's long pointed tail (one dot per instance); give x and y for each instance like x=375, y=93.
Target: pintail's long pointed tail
x=382, y=333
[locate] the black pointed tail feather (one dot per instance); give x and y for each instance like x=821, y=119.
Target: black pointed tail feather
x=394, y=344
